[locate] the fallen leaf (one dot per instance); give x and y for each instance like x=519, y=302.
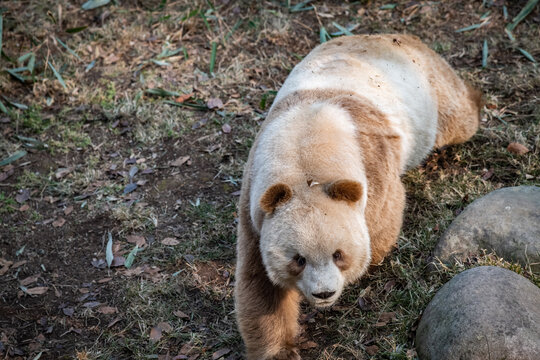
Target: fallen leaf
x=181, y=314
x=170, y=241
x=91, y=304
x=155, y=334
x=517, y=148
x=68, y=210
x=372, y=350
x=111, y=59
x=5, y=266
x=18, y=263
x=29, y=280
x=387, y=316
x=488, y=174
x=25, y=207
x=22, y=196
x=61, y=172
x=100, y=264
x=107, y=310
x=180, y=161
x=136, y=239
x=183, y=98
x=165, y=327
x=68, y=311
x=226, y=128
x=118, y=261
x=214, y=103
x=40, y=290
x=104, y=280
x=222, y=352
x=59, y=222
x=112, y=323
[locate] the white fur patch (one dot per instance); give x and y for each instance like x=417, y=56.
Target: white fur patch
x=398, y=88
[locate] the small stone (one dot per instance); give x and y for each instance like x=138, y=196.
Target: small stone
x=483, y=313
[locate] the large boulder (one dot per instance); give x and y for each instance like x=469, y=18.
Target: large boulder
x=506, y=221
x=483, y=313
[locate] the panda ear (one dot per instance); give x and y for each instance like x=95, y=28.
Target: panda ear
x=347, y=190
x=274, y=196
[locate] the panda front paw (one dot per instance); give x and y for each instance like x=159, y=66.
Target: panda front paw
x=287, y=354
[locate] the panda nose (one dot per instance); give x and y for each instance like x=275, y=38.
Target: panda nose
x=324, y=295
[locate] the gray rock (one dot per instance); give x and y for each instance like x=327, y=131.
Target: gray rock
x=506, y=221
x=483, y=313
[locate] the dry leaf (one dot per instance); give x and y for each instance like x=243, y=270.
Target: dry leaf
x=165, y=327
x=226, y=128
x=107, y=310
x=180, y=161
x=104, y=280
x=29, y=280
x=183, y=98
x=136, y=239
x=59, y=222
x=37, y=290
x=214, y=103
x=118, y=261
x=5, y=266
x=61, y=172
x=22, y=196
x=155, y=334
x=25, y=207
x=181, y=314
x=111, y=59
x=170, y=241
x=517, y=148
x=220, y=353
x=372, y=350
x=68, y=210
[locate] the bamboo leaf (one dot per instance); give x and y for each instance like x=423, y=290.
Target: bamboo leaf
x=92, y=4
x=484, y=54
x=76, y=29
x=527, y=55
x=58, y=76
x=472, y=27
x=131, y=257
x=323, y=35
x=342, y=29
x=161, y=92
x=3, y=108
x=109, y=256
x=15, y=75
x=68, y=49
x=522, y=14
x=16, y=156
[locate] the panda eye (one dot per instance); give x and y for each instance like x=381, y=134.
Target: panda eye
x=337, y=255
x=300, y=260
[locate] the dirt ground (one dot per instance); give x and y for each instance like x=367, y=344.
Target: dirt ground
x=123, y=134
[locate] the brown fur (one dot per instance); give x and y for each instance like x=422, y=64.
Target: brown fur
x=276, y=195
x=266, y=314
